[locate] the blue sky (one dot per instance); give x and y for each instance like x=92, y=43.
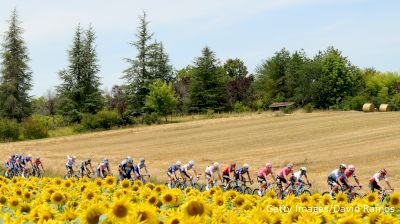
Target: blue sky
x=367, y=31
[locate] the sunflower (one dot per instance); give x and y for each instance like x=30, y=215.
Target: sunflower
x=145, y=214
x=46, y=213
x=350, y=219
x=27, y=195
x=98, y=182
x=110, y=181
x=195, y=207
x=89, y=194
x=68, y=215
x=120, y=210
x=57, y=198
x=152, y=199
x=326, y=200
x=341, y=197
x=92, y=214
x=394, y=200
x=371, y=198
x=125, y=183
x=373, y=217
x=238, y=201
x=219, y=201
x=24, y=208
x=3, y=200
x=387, y=219
x=67, y=183
x=14, y=203
x=167, y=198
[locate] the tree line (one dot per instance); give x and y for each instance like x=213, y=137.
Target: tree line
x=153, y=87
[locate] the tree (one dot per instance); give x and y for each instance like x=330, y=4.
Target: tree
x=235, y=68
x=150, y=64
x=16, y=77
x=116, y=99
x=208, y=84
x=161, y=98
x=80, y=90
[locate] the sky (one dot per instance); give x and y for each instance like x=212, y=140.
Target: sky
x=366, y=31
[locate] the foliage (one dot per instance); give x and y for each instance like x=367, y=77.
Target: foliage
x=15, y=74
x=80, y=91
x=102, y=120
x=34, y=129
x=150, y=64
x=239, y=107
x=161, y=98
x=308, y=108
x=208, y=84
x=150, y=118
x=9, y=130
x=50, y=122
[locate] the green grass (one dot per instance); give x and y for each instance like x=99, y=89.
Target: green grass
x=63, y=131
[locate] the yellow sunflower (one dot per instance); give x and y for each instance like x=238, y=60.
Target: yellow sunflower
x=120, y=210
x=92, y=214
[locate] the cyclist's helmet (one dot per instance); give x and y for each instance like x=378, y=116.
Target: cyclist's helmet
x=29, y=156
x=303, y=169
x=268, y=165
x=351, y=167
x=105, y=161
x=233, y=165
x=290, y=165
x=216, y=164
x=73, y=157
x=191, y=162
x=383, y=171
x=343, y=166
x=178, y=163
x=246, y=166
x=37, y=157
x=141, y=160
x=129, y=161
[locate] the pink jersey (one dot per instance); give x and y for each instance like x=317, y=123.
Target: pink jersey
x=264, y=171
x=348, y=173
x=284, y=172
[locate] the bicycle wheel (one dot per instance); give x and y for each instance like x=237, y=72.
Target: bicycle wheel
x=239, y=189
x=307, y=192
x=255, y=191
x=197, y=186
x=66, y=176
x=247, y=190
x=326, y=192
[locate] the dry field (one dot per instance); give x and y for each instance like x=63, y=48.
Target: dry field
x=320, y=141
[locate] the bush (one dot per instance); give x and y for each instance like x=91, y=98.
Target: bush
x=102, y=120
x=308, y=108
x=287, y=110
x=34, y=129
x=151, y=118
x=354, y=103
x=395, y=102
x=239, y=107
x=51, y=122
x=9, y=130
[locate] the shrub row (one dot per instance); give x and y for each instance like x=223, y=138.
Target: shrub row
x=10, y=130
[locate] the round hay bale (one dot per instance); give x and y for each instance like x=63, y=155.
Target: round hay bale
x=368, y=107
x=385, y=108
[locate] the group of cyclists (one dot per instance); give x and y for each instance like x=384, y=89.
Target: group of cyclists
x=19, y=165
x=230, y=176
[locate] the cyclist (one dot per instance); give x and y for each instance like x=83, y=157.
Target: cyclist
x=126, y=170
x=336, y=179
x=229, y=175
x=376, y=179
x=284, y=176
x=209, y=173
x=24, y=162
x=298, y=175
x=185, y=171
x=125, y=160
x=84, y=168
x=36, y=164
x=18, y=167
x=262, y=177
x=9, y=164
x=141, y=165
x=239, y=174
x=172, y=173
x=350, y=171
x=70, y=163
x=103, y=169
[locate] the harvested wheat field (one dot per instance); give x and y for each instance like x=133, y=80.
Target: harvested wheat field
x=320, y=141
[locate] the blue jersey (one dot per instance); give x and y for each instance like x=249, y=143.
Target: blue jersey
x=173, y=168
x=241, y=171
x=136, y=170
x=25, y=160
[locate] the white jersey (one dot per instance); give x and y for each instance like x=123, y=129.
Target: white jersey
x=187, y=167
x=378, y=177
x=70, y=161
x=141, y=166
x=336, y=174
x=298, y=175
x=211, y=170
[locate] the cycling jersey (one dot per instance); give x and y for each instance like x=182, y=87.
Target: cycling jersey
x=228, y=170
x=187, y=167
x=84, y=163
x=126, y=171
x=284, y=172
x=336, y=174
x=141, y=166
x=241, y=171
x=210, y=170
x=173, y=168
x=348, y=173
x=378, y=177
x=25, y=160
x=37, y=162
x=70, y=162
x=9, y=163
x=264, y=171
x=298, y=175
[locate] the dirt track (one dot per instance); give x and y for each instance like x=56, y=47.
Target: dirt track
x=320, y=141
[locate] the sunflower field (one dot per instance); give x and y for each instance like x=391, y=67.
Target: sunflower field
x=54, y=200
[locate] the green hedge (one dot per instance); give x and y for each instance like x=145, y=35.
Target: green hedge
x=9, y=130
x=102, y=120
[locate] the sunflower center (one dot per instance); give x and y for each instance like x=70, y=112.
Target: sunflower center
x=3, y=200
x=57, y=197
x=175, y=221
x=93, y=216
x=152, y=200
x=120, y=211
x=25, y=209
x=14, y=203
x=395, y=201
x=143, y=215
x=168, y=198
x=195, y=208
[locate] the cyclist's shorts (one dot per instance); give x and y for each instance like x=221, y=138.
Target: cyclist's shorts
x=208, y=176
x=169, y=173
x=280, y=180
x=69, y=168
x=332, y=182
x=260, y=179
x=185, y=173
x=374, y=186
x=227, y=178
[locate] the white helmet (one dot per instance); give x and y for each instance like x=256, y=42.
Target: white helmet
x=191, y=162
x=246, y=166
x=216, y=164
x=73, y=157
x=29, y=156
x=303, y=169
x=178, y=163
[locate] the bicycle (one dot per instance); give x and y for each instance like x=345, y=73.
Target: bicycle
x=183, y=185
x=174, y=184
x=243, y=188
x=37, y=172
x=265, y=190
x=349, y=191
x=71, y=174
x=383, y=195
x=142, y=178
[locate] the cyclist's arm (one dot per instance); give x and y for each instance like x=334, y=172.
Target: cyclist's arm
x=248, y=175
x=91, y=167
x=387, y=182
x=145, y=169
x=101, y=172
x=220, y=176
x=265, y=176
x=308, y=182
x=357, y=181
x=42, y=166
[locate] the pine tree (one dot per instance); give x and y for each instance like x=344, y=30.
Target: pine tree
x=208, y=84
x=80, y=91
x=16, y=77
x=150, y=64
